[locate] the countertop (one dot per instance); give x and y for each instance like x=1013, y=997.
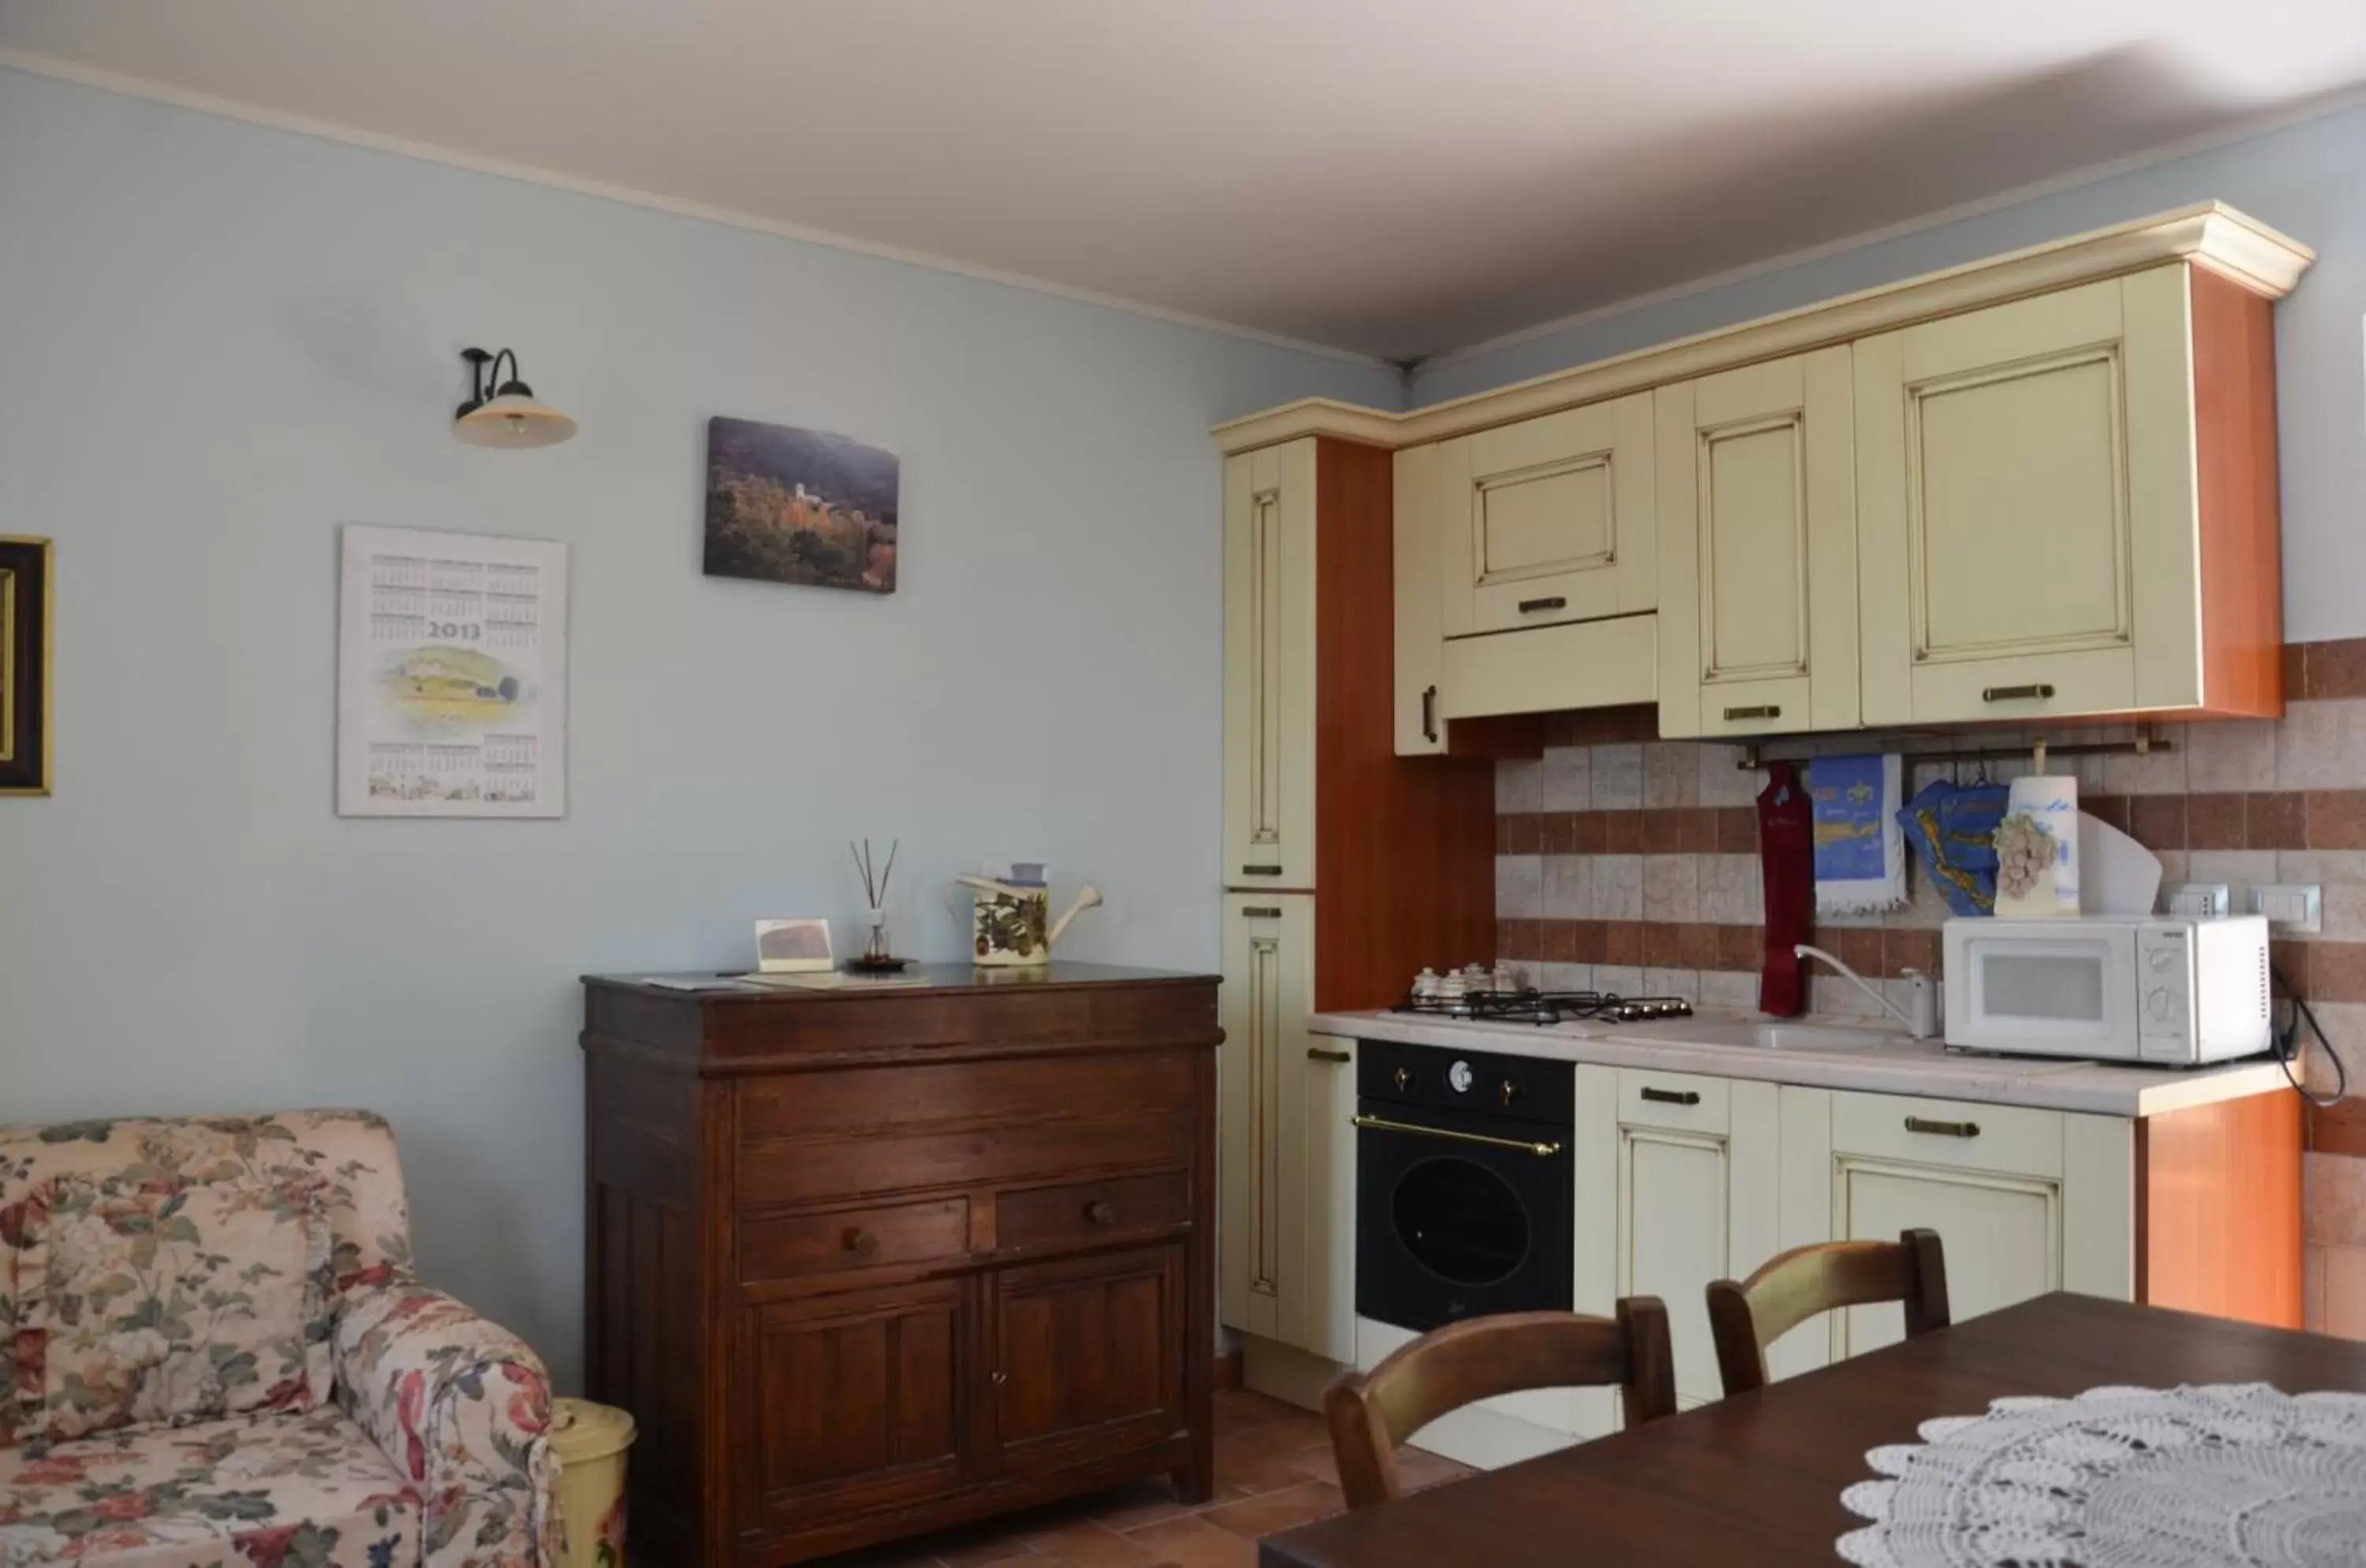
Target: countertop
x=1896, y=1065
x=919, y=979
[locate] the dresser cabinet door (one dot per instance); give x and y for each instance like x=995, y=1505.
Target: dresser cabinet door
x=856, y=1400
x=2028, y=525
x=1088, y=1355
x=1548, y=520
x=1270, y=667
x=1757, y=512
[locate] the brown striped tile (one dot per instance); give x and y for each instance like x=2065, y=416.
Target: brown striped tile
x=2336, y=819
x=1736, y=830
x=1909, y=947
x=1622, y=832
x=2158, y=821
x=2336, y=971
x=1586, y=830
x=1622, y=943
x=1503, y=833
x=1663, y=944
x=2213, y=822
x=2295, y=670
x=2333, y=669
x=1859, y=947
x=2275, y=821
x=1662, y=829
x=1525, y=834
x=1696, y=834
x=1560, y=833
x=1560, y=944
x=2290, y=959
x=1523, y=939
x=1740, y=949
x=1589, y=940
x=1697, y=947
x=2338, y=1129
x=2111, y=809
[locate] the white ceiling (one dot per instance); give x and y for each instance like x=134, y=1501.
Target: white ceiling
x=1397, y=177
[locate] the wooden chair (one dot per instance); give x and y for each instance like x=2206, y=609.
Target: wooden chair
x=1744, y=1319
x=1372, y=1413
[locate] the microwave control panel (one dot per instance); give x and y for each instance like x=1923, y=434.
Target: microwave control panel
x=2165, y=991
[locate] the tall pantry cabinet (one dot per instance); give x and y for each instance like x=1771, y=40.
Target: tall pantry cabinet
x=1346, y=869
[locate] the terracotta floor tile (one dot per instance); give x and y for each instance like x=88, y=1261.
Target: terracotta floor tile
x=1282, y=1435
x=1129, y=1507
x=1271, y=1511
x=971, y=1546
x=1252, y=1474
x=1090, y=1544
x=1239, y=1409
x=1190, y=1543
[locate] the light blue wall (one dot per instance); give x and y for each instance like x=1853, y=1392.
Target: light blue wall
x=219, y=340
x=2308, y=180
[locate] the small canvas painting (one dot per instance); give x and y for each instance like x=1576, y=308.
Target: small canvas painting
x=802, y=506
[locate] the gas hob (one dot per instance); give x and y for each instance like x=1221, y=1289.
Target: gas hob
x=1545, y=1007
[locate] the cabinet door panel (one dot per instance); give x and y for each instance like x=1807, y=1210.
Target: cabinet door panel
x=1420, y=643
x=1757, y=516
x=1550, y=520
x=1326, y=1304
x=1088, y=1355
x=2002, y=1236
x=1268, y=948
x=1270, y=667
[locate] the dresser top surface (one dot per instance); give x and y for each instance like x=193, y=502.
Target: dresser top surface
x=935, y=979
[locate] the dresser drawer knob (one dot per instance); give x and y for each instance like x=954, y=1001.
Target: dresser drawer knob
x=1101, y=1211
x=860, y=1242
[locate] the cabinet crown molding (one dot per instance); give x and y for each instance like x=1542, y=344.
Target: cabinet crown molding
x=2208, y=234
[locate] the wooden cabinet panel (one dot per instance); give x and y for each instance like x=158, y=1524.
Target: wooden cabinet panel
x=883, y=1162
x=2028, y=523
x=1088, y=1355
x=836, y=1104
x=1420, y=641
x=1548, y=520
x=1086, y=1212
x=855, y=1401
x=1757, y=526
x=1270, y=667
x=1325, y=1304
x=1269, y=946
x=790, y=1246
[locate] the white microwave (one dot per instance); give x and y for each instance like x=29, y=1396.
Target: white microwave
x=2163, y=990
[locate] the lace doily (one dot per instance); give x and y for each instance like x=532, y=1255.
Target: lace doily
x=2124, y=1478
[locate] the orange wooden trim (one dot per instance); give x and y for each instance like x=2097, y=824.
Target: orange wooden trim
x=1404, y=846
x=2218, y=1209
x=2234, y=470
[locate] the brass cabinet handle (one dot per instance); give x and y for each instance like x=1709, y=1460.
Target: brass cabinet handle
x=1764, y=710
x=860, y=1242
x=1673, y=1096
x=1381, y=1124
x=1558, y=602
x=1429, y=715
x=1101, y=1211
x=1261, y=871
x=1260, y=912
x=1317, y=1054
x=2039, y=690
x=1943, y=1129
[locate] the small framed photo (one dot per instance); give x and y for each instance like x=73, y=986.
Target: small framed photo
x=792, y=947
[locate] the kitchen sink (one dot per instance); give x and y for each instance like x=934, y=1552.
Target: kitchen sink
x=1765, y=1035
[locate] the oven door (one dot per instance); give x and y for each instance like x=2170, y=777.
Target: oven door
x=2064, y=987
x=1458, y=1216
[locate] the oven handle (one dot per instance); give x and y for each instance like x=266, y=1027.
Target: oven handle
x=1382, y=1124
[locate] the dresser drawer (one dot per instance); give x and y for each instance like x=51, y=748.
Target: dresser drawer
x=835, y=1103
x=1082, y=1211
x=809, y=1170
x=792, y=1246
x=1683, y=1102
x=2009, y=1139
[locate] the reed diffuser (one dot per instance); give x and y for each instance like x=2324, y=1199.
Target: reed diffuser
x=876, y=958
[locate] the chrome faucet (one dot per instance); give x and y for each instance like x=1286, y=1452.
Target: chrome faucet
x=1921, y=1020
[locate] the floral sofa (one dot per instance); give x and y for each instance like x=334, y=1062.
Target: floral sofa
x=214, y=1354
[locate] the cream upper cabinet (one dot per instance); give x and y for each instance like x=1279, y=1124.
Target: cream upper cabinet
x=2027, y=508
x=1288, y=1163
x=1419, y=644
x=1548, y=520
x=2024, y=1201
x=1270, y=667
x=1757, y=542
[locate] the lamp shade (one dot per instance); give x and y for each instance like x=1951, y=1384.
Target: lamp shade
x=512, y=420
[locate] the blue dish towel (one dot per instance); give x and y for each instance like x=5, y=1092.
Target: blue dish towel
x=1860, y=853
x=1953, y=830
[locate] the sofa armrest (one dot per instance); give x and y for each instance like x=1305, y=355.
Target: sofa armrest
x=462, y=1406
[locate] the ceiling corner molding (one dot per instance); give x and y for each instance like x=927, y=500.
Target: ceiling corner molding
x=2207, y=234
x=141, y=87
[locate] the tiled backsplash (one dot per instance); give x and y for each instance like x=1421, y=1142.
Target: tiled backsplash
x=1629, y=863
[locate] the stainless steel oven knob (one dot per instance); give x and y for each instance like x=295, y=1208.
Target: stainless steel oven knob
x=1458, y=1077
x=1509, y=1092
x=1404, y=1079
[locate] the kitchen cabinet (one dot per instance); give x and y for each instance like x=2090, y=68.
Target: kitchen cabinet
x=1419, y=645
x=2024, y=1201
x=1088, y=1355
x=1269, y=500
x=1548, y=520
x=1757, y=546
x=2061, y=510
x=1289, y=1238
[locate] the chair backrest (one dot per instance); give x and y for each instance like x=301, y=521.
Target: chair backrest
x=1372, y=1413
x=1744, y=1318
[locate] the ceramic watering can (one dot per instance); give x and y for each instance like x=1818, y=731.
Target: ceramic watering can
x=1010, y=923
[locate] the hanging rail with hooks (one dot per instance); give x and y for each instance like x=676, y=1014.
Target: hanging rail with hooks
x=1752, y=756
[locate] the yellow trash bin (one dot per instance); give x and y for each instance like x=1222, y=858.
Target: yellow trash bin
x=589, y=1440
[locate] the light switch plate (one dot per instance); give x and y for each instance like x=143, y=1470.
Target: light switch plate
x=2200, y=900
x=2291, y=906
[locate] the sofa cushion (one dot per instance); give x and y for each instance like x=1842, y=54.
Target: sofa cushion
x=163, y=1304
x=305, y=1491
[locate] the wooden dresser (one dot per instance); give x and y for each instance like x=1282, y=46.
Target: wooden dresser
x=866, y=1265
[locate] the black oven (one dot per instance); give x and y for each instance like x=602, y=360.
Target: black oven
x=1462, y=1184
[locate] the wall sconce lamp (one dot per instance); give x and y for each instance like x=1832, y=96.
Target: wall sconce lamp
x=503, y=413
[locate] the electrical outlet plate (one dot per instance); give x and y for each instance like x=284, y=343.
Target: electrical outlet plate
x=2290, y=907
x=2199, y=900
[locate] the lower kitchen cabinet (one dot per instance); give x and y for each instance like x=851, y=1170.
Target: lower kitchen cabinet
x=1287, y=1268
x=1090, y=1352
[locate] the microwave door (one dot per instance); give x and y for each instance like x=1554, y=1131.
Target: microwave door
x=2059, y=995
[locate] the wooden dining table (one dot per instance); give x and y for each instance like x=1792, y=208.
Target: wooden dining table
x=1757, y=1478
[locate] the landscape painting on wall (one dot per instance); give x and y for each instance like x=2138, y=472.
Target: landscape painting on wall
x=800, y=506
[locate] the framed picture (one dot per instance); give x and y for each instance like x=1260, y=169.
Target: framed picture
x=451, y=676
x=25, y=585
x=792, y=947
x=800, y=506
